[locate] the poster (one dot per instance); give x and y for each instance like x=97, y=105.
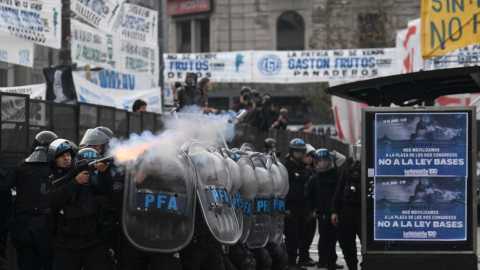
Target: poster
x=421, y=170
x=60, y=86
x=463, y=57
x=116, y=80
x=139, y=58
x=100, y=13
x=17, y=51
x=329, y=65
x=138, y=24
x=35, y=21
x=93, y=47
x=219, y=67
x=35, y=91
x=122, y=99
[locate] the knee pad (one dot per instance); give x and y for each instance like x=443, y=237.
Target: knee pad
x=266, y=261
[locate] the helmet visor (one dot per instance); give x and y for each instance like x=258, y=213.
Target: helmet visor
x=323, y=164
x=94, y=137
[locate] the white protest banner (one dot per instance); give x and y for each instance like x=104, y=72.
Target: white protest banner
x=100, y=13
x=116, y=80
x=168, y=95
x=36, y=91
x=40, y=22
x=316, y=66
x=409, y=54
x=93, y=47
x=219, y=67
x=136, y=23
x=463, y=57
x=139, y=58
x=17, y=51
x=122, y=99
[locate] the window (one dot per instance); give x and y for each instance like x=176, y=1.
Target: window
x=205, y=36
x=290, y=32
x=371, y=31
x=185, y=37
x=3, y=78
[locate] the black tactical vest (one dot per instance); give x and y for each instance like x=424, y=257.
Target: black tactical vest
x=352, y=190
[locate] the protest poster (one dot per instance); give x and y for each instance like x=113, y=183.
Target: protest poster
x=421, y=173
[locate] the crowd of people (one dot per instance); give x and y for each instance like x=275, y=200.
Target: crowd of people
x=261, y=111
x=69, y=200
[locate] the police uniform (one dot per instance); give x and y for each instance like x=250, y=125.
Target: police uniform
x=321, y=188
x=295, y=203
x=28, y=232
x=347, y=205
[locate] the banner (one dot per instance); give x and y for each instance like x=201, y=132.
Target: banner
x=91, y=46
x=17, y=51
x=139, y=58
x=116, y=80
x=421, y=175
x=122, y=99
x=409, y=50
x=100, y=13
x=219, y=67
x=138, y=24
x=315, y=66
x=36, y=91
x=168, y=95
x=449, y=25
x=463, y=57
x=40, y=22
x=60, y=86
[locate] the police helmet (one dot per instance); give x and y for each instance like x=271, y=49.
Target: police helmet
x=96, y=136
x=297, y=145
x=59, y=146
x=357, y=151
x=310, y=150
x=270, y=143
x=323, y=160
x=43, y=138
x=88, y=154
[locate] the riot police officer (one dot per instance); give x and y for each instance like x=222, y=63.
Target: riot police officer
x=311, y=226
x=296, y=210
x=346, y=209
x=76, y=208
x=321, y=188
x=29, y=234
x=98, y=139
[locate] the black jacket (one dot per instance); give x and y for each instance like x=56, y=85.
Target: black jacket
x=320, y=190
x=76, y=209
x=348, y=191
x=27, y=178
x=298, y=176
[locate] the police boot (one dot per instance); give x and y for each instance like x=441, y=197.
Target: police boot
x=331, y=266
x=352, y=266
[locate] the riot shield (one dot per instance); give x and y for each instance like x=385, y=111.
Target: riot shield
x=236, y=180
x=215, y=202
x=277, y=205
x=281, y=204
x=259, y=234
x=248, y=191
x=159, y=200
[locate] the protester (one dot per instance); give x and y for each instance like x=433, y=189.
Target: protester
x=193, y=94
x=282, y=120
x=308, y=126
x=175, y=86
x=139, y=106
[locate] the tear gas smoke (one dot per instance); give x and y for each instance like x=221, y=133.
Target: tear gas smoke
x=180, y=127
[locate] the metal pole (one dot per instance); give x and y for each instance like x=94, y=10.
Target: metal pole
x=230, y=92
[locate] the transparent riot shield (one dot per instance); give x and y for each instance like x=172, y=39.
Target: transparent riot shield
x=236, y=180
x=215, y=201
x=260, y=232
x=159, y=200
x=248, y=191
